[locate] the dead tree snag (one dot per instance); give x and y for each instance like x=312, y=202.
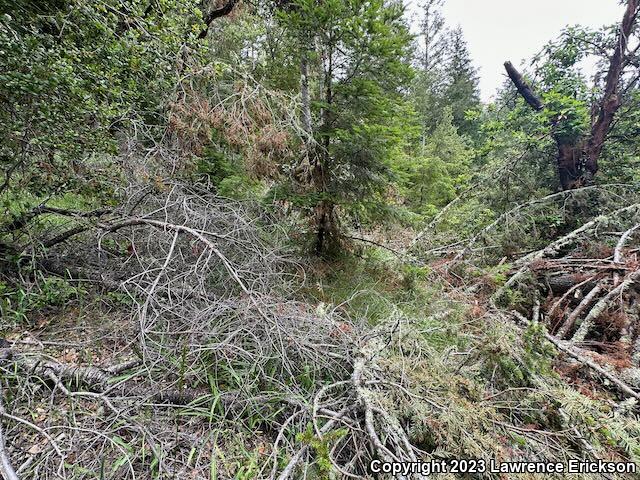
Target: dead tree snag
x=577, y=159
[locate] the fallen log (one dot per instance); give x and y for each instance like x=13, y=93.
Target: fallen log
x=560, y=284
x=101, y=381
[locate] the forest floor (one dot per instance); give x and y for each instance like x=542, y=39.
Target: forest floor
x=237, y=360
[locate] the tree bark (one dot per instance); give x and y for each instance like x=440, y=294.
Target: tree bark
x=325, y=209
x=523, y=88
x=224, y=10
x=610, y=100
x=304, y=92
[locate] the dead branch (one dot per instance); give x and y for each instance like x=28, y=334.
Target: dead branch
x=602, y=305
x=573, y=352
x=100, y=382
x=523, y=88
x=289, y=470
x=223, y=11
x=617, y=254
x=575, y=314
x=377, y=244
x=6, y=469
x=63, y=269
x=467, y=245
x=589, y=283
x=555, y=247
x=123, y=367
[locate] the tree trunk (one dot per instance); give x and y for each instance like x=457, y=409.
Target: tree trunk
x=304, y=92
x=570, y=165
x=326, y=227
x=610, y=100
x=577, y=161
x=569, y=159
x=325, y=209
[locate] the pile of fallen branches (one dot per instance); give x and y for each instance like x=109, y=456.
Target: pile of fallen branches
x=586, y=293
x=520, y=225
x=217, y=338
x=582, y=284
x=221, y=357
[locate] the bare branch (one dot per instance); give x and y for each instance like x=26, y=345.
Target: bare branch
x=523, y=88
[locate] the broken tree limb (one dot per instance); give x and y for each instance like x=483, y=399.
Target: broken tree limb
x=577, y=159
x=25, y=218
x=589, y=284
x=602, y=305
x=397, y=253
x=100, y=381
x=64, y=236
x=523, y=88
x=511, y=214
x=617, y=254
x=93, y=377
x=224, y=10
x=570, y=350
x=297, y=457
x=124, y=366
x=571, y=319
x=61, y=269
x=574, y=353
x=567, y=284
x=555, y=247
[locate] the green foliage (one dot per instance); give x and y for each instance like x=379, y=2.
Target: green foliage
x=17, y=304
x=538, y=352
x=322, y=447
x=427, y=98
x=495, y=274
x=362, y=121
x=569, y=115
x=413, y=276
x=75, y=76
x=227, y=174
x=534, y=358
x=433, y=179
x=89, y=88
x=447, y=79
x=461, y=92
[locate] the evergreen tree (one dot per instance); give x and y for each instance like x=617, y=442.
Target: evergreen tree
x=462, y=92
x=432, y=34
x=427, y=88
x=355, y=69
x=434, y=177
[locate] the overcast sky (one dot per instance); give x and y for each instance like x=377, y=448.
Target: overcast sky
x=499, y=30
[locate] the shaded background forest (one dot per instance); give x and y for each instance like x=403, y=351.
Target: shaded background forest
x=296, y=220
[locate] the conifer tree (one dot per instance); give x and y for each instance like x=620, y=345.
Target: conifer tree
x=432, y=34
x=427, y=88
x=355, y=68
x=462, y=92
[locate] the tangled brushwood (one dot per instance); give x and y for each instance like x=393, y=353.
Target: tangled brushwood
x=222, y=372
